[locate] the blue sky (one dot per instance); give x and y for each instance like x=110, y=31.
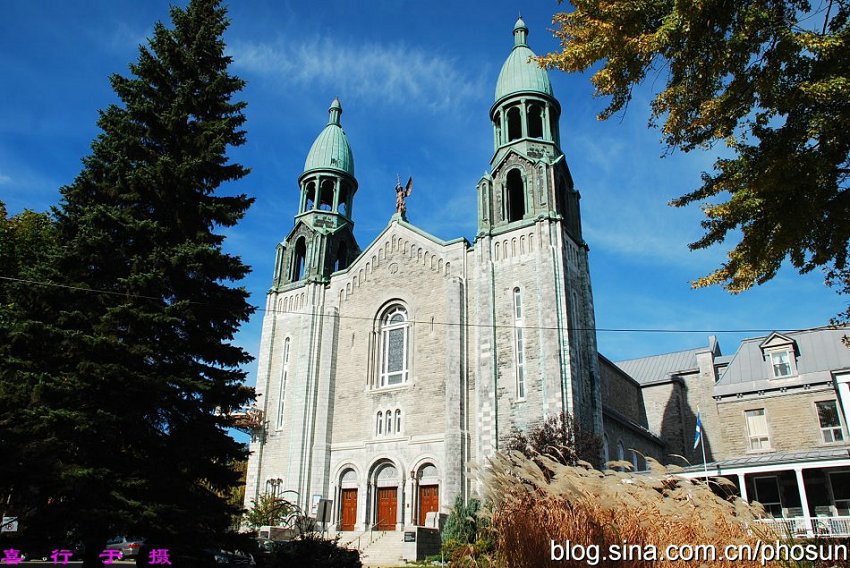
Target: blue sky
x=416, y=81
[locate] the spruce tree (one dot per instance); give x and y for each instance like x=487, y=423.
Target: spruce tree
x=139, y=410
x=27, y=249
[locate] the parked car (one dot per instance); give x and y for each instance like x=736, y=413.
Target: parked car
x=232, y=559
x=128, y=545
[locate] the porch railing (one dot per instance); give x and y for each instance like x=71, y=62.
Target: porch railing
x=814, y=526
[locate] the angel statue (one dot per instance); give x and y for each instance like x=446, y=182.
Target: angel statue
x=402, y=193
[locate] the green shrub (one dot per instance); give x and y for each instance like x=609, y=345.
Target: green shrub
x=312, y=552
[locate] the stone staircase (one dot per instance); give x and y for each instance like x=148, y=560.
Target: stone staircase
x=387, y=549
x=377, y=548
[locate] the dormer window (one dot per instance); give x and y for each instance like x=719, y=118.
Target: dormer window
x=781, y=363
x=780, y=353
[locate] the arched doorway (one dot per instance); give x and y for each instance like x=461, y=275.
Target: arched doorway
x=348, y=500
x=386, y=497
x=428, y=493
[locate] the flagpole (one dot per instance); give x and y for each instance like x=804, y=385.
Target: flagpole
x=698, y=440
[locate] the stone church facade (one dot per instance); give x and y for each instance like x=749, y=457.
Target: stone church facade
x=385, y=370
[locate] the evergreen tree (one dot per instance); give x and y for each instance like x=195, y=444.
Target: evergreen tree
x=27, y=248
x=138, y=409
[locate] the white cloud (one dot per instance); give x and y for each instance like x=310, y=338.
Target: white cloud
x=396, y=74
x=4, y=179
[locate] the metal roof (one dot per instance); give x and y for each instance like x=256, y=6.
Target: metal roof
x=818, y=353
x=776, y=458
x=331, y=150
x=519, y=73
x=659, y=367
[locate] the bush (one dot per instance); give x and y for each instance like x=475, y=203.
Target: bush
x=312, y=552
x=559, y=437
x=467, y=540
x=462, y=524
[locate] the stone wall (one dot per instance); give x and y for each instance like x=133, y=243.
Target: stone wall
x=792, y=419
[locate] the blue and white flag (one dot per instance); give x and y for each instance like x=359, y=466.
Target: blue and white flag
x=698, y=433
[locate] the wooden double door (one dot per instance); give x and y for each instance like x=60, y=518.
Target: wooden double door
x=429, y=501
x=349, y=509
x=387, y=508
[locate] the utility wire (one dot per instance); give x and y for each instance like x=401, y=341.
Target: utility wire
x=430, y=323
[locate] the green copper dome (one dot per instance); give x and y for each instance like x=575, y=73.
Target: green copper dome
x=331, y=149
x=519, y=74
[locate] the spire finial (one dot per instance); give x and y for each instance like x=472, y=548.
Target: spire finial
x=520, y=32
x=335, y=111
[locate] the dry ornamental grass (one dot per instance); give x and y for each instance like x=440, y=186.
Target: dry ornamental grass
x=585, y=506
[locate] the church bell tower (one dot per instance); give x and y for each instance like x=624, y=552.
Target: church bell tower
x=529, y=176
x=322, y=241
x=539, y=356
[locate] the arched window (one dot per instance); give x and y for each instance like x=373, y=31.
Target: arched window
x=283, y=376
x=379, y=426
x=553, y=128
x=519, y=344
x=395, y=333
x=326, y=197
x=280, y=252
x=497, y=124
x=342, y=206
x=561, y=196
x=398, y=421
x=389, y=422
x=515, y=190
x=514, y=124
x=535, y=121
x=341, y=257
x=309, y=196
x=298, y=259
x=621, y=452
x=635, y=461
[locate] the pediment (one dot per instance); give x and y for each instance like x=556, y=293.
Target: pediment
x=513, y=152
x=777, y=340
x=400, y=243
x=300, y=228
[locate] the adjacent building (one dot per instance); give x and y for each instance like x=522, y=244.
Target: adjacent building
x=774, y=421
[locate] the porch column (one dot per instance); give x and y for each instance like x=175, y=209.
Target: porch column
x=804, y=500
x=742, y=482
x=842, y=385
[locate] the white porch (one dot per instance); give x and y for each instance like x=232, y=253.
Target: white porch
x=807, y=493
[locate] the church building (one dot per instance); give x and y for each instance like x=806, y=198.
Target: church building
x=386, y=369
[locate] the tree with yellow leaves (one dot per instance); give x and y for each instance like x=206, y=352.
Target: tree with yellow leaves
x=771, y=80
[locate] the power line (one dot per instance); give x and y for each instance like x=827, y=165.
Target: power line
x=429, y=323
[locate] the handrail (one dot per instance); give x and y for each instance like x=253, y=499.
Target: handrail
x=362, y=534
